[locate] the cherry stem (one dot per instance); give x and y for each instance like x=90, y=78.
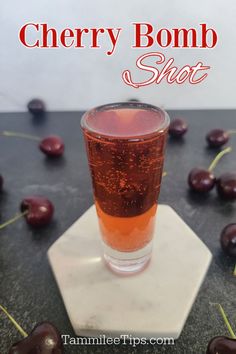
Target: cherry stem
x=234, y=273
x=20, y=135
x=226, y=321
x=231, y=132
x=218, y=157
x=18, y=327
x=11, y=221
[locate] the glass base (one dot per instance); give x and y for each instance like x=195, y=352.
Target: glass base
x=127, y=262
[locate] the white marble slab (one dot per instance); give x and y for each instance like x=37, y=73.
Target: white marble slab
x=153, y=303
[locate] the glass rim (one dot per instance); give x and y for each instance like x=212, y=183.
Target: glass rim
x=128, y=105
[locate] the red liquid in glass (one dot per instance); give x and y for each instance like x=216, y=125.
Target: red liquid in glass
x=126, y=151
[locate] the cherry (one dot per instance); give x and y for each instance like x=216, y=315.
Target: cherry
x=133, y=100
x=178, y=127
x=1, y=182
x=228, y=239
x=52, y=146
x=44, y=339
x=36, y=106
x=226, y=185
x=38, y=210
x=221, y=345
x=201, y=180
x=218, y=137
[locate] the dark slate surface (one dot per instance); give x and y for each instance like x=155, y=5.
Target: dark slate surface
x=27, y=286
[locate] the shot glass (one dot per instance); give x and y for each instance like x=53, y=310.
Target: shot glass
x=125, y=145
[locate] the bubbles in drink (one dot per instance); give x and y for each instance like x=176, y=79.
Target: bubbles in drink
x=126, y=152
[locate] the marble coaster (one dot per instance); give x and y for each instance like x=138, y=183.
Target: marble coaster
x=153, y=303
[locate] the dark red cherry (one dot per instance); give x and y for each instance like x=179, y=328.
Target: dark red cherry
x=36, y=106
x=178, y=127
x=1, y=182
x=44, y=339
x=133, y=100
x=201, y=180
x=221, y=345
x=228, y=239
x=52, y=146
x=226, y=185
x=217, y=137
x=40, y=210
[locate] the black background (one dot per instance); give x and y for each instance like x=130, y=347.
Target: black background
x=27, y=287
